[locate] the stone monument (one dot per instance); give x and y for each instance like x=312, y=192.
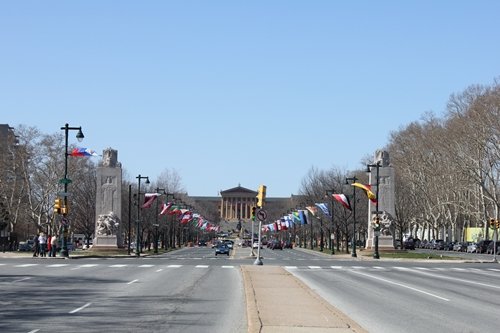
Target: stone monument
x=386, y=203
x=108, y=230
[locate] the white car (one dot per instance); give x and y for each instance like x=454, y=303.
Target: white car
x=256, y=245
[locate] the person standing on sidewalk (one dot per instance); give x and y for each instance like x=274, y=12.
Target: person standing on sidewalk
x=53, y=245
x=43, y=244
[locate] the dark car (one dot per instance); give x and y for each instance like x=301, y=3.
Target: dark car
x=275, y=244
x=202, y=243
x=409, y=244
x=222, y=249
x=489, y=250
x=482, y=246
x=25, y=246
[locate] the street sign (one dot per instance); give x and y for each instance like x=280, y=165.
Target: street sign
x=261, y=215
x=65, y=181
x=63, y=194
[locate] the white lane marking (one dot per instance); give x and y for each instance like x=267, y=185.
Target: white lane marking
x=422, y=268
x=118, y=266
x=336, y=267
x=461, y=280
x=379, y=267
x=34, y=331
x=227, y=266
x=201, y=266
x=357, y=267
x=174, y=266
x=84, y=266
x=20, y=280
x=459, y=269
x=159, y=270
x=494, y=269
x=401, y=285
x=290, y=267
x=133, y=281
x=146, y=266
x=79, y=309
x=401, y=268
x=26, y=265
x=57, y=265
x=314, y=267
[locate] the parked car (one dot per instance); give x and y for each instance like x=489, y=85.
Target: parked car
x=409, y=244
x=25, y=246
x=472, y=248
x=460, y=246
x=489, y=250
x=222, y=249
x=482, y=246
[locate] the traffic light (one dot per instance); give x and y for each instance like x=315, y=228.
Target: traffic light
x=253, y=213
x=492, y=223
x=497, y=224
x=261, y=196
x=58, y=204
x=376, y=223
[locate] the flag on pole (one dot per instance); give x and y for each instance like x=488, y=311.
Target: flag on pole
x=368, y=191
x=324, y=208
x=149, y=198
x=81, y=152
x=165, y=207
x=343, y=200
x=303, y=217
x=313, y=210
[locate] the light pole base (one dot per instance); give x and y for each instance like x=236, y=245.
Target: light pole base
x=258, y=262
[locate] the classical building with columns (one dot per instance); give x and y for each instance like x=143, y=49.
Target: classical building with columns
x=235, y=205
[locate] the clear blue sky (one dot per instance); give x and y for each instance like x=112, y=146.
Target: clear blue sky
x=240, y=92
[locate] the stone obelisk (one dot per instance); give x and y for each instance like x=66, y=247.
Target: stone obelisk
x=108, y=231
x=386, y=203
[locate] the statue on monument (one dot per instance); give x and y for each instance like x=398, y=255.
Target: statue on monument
x=107, y=224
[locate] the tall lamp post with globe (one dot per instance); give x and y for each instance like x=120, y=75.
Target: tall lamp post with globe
x=66, y=181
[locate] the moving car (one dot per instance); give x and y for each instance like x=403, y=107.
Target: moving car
x=222, y=249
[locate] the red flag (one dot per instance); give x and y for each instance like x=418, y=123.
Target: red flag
x=149, y=198
x=343, y=200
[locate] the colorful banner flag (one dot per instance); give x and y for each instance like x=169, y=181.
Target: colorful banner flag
x=149, y=198
x=323, y=207
x=343, y=200
x=82, y=152
x=368, y=191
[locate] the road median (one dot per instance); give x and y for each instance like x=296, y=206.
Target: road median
x=279, y=302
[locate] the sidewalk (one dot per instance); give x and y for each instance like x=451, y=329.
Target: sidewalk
x=278, y=302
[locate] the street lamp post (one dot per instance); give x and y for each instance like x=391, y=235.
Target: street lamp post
x=329, y=193
x=353, y=179
x=376, y=229
x=137, y=236
x=66, y=181
x=157, y=223
x=129, y=217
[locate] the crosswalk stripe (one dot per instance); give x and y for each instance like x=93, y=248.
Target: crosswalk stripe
x=174, y=266
x=144, y=266
x=58, y=265
x=118, y=265
x=291, y=267
x=336, y=267
x=26, y=265
x=227, y=266
x=201, y=266
x=314, y=267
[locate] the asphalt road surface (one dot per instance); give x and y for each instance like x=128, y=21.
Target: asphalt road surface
x=192, y=290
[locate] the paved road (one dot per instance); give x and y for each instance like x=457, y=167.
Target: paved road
x=192, y=290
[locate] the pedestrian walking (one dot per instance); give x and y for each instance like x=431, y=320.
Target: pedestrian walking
x=43, y=244
x=49, y=245
x=36, y=246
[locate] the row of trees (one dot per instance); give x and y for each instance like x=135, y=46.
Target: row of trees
x=447, y=178
x=447, y=172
